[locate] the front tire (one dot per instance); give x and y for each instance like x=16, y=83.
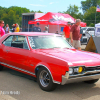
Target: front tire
x=91, y=81
x=44, y=80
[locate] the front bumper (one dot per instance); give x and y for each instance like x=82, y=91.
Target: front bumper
x=88, y=75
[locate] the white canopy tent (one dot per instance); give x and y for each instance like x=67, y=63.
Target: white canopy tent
x=97, y=29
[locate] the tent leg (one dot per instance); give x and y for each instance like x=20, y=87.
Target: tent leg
x=28, y=27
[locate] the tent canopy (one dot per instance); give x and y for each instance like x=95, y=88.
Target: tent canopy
x=97, y=29
x=55, y=19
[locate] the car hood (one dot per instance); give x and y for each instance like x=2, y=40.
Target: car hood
x=73, y=57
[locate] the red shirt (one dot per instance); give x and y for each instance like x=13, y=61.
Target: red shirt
x=75, y=29
x=67, y=31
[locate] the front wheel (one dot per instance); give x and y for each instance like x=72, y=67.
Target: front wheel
x=44, y=80
x=91, y=81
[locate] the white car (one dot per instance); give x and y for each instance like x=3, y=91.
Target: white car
x=88, y=31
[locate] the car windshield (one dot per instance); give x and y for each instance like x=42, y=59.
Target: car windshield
x=48, y=42
x=83, y=28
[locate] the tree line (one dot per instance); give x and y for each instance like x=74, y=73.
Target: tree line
x=89, y=15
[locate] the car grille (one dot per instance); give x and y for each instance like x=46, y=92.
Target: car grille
x=92, y=68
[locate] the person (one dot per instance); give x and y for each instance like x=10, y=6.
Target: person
x=17, y=28
x=2, y=31
x=56, y=32
x=45, y=29
x=75, y=35
x=14, y=39
x=13, y=28
x=36, y=28
x=7, y=29
x=66, y=31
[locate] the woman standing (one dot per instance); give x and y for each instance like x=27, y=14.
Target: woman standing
x=17, y=28
x=2, y=31
x=7, y=28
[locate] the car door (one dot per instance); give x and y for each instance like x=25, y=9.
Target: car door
x=17, y=53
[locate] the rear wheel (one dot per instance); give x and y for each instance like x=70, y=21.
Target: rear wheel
x=44, y=80
x=91, y=81
x=1, y=67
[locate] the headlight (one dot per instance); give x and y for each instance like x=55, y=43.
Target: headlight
x=75, y=70
x=70, y=70
x=78, y=69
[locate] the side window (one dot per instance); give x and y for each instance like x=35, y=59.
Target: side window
x=92, y=29
x=8, y=41
x=88, y=29
x=19, y=42
x=25, y=44
x=16, y=41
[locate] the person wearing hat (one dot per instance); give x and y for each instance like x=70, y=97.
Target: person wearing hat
x=36, y=28
x=66, y=31
x=13, y=28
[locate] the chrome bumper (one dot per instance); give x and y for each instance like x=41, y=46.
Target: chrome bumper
x=89, y=75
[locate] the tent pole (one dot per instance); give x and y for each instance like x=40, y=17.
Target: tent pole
x=95, y=17
x=28, y=27
x=48, y=28
x=95, y=22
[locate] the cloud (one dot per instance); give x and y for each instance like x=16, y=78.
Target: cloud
x=51, y=3
x=38, y=5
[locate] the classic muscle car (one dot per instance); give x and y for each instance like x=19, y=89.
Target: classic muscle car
x=49, y=58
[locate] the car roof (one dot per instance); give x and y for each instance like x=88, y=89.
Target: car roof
x=31, y=33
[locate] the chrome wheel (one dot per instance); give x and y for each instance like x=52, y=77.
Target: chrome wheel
x=44, y=78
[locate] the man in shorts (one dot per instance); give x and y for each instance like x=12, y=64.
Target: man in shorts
x=75, y=35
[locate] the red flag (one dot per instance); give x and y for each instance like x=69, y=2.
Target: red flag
x=98, y=8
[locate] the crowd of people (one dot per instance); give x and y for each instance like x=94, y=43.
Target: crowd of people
x=71, y=32
x=6, y=29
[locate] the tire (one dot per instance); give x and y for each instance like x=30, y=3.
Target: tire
x=91, y=81
x=1, y=67
x=44, y=80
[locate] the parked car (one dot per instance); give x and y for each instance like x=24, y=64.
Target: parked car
x=49, y=58
x=88, y=31
x=83, y=37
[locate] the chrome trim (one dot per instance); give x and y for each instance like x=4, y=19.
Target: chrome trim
x=81, y=78
x=49, y=72
x=18, y=68
x=88, y=75
x=64, y=78
x=93, y=66
x=85, y=72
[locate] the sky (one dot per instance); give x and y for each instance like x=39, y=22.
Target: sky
x=42, y=5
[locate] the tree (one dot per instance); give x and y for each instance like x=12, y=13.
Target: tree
x=90, y=15
x=89, y=3
x=9, y=18
x=74, y=12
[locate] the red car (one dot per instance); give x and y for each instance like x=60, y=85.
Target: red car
x=49, y=58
